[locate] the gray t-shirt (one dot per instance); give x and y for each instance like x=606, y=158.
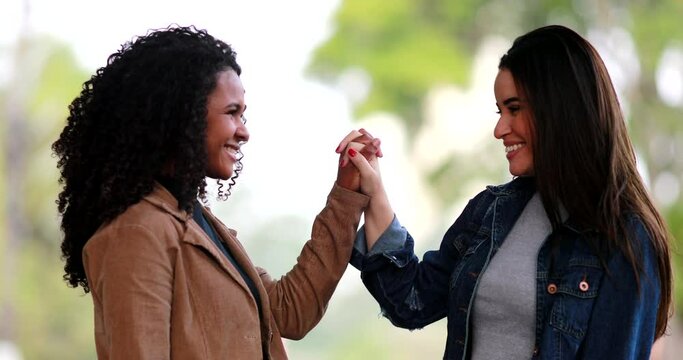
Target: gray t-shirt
x=505, y=302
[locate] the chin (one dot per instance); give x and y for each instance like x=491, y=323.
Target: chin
x=517, y=172
x=222, y=175
x=225, y=176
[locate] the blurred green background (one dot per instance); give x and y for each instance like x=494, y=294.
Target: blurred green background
x=416, y=73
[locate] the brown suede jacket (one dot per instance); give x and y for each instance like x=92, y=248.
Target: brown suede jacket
x=162, y=289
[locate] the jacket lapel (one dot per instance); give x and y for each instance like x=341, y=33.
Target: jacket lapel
x=194, y=235
x=197, y=237
x=229, y=237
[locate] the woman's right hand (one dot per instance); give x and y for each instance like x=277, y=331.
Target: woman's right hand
x=379, y=214
x=361, y=142
x=368, y=168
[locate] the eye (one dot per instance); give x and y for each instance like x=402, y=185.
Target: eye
x=235, y=113
x=513, y=109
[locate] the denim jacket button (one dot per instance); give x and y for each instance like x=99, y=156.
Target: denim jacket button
x=583, y=286
x=552, y=289
x=535, y=351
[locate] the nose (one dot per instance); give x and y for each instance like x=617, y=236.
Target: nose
x=502, y=127
x=241, y=133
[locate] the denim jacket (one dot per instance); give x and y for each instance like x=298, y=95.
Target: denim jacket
x=587, y=307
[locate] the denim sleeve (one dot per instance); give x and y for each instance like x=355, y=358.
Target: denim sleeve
x=392, y=239
x=624, y=317
x=411, y=293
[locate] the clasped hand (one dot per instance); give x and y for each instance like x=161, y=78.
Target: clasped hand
x=359, y=173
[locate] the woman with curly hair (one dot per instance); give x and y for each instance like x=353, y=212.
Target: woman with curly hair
x=167, y=278
x=569, y=260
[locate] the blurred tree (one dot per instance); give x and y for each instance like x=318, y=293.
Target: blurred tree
x=412, y=46
x=406, y=48
x=657, y=28
x=38, y=308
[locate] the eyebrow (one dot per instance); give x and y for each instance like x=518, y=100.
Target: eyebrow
x=235, y=105
x=509, y=100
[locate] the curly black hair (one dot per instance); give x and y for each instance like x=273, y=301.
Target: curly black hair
x=144, y=110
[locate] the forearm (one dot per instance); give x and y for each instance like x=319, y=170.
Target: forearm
x=411, y=293
x=299, y=299
x=378, y=217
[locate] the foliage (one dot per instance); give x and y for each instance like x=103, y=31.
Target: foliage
x=50, y=320
x=407, y=47
x=410, y=47
x=413, y=45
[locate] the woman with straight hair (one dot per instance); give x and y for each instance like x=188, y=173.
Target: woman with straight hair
x=569, y=260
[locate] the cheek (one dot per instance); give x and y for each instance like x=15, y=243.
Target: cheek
x=215, y=135
x=526, y=131
x=529, y=161
x=526, y=128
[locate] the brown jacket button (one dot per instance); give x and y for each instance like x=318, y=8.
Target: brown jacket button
x=552, y=289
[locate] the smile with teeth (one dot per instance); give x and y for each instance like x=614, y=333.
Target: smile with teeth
x=514, y=147
x=231, y=149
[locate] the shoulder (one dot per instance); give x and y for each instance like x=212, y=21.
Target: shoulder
x=639, y=240
x=141, y=225
x=148, y=216
x=516, y=185
x=636, y=260
x=520, y=186
x=637, y=229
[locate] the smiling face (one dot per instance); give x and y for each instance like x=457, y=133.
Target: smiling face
x=225, y=130
x=514, y=125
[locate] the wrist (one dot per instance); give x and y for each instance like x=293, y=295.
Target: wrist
x=379, y=214
x=379, y=201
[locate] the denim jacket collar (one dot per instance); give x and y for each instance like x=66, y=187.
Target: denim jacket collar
x=523, y=187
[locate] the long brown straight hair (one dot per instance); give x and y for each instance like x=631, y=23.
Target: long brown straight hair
x=583, y=157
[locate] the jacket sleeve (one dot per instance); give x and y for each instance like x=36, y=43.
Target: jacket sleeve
x=130, y=273
x=624, y=317
x=413, y=293
x=299, y=299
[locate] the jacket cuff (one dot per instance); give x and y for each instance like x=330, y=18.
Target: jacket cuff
x=393, y=246
x=349, y=198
